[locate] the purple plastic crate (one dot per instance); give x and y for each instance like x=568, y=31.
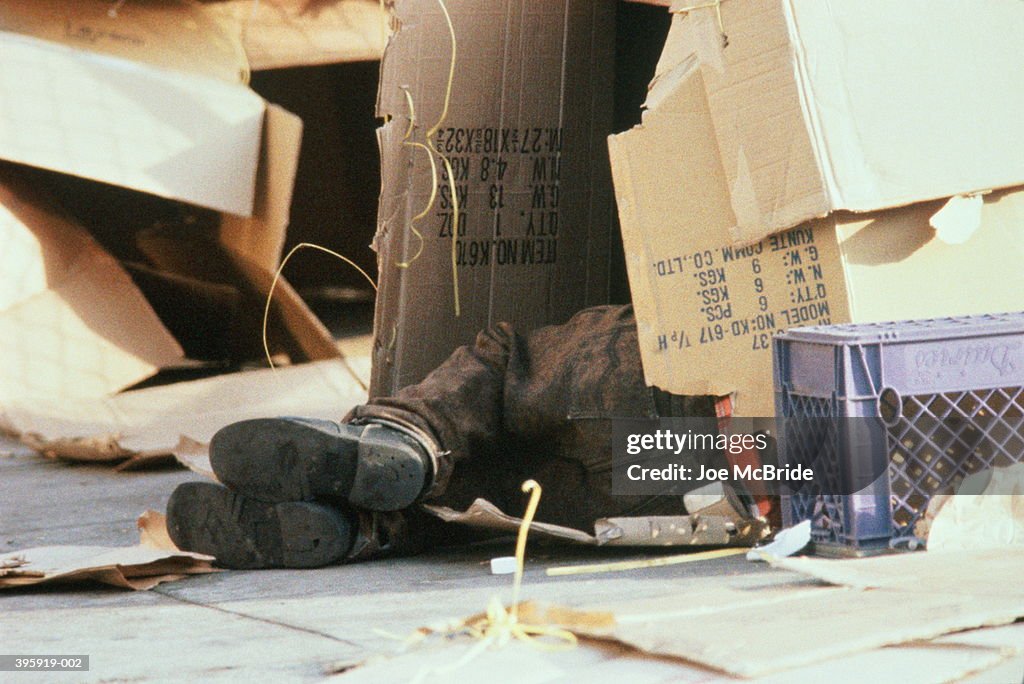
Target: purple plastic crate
x=944, y=398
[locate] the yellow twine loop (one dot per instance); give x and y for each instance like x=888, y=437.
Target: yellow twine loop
x=499, y=626
x=426, y=209
x=429, y=146
x=277, y=276
x=717, y=4
x=447, y=164
x=412, y=112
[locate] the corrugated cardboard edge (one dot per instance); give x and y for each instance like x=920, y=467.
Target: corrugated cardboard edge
x=259, y=239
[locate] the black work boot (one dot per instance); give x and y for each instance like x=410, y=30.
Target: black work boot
x=374, y=466
x=241, y=532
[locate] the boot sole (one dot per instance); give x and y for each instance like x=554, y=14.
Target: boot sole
x=299, y=459
x=243, y=533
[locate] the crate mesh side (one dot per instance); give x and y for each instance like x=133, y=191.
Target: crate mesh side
x=815, y=441
x=941, y=438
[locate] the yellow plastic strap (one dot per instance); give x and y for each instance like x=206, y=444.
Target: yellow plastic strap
x=277, y=276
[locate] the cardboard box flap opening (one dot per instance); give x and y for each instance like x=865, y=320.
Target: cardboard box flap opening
x=72, y=323
x=825, y=105
x=171, y=133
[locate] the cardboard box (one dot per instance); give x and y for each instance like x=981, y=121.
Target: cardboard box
x=707, y=306
x=826, y=105
x=77, y=326
x=530, y=106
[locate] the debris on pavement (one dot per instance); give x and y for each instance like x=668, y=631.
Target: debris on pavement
x=153, y=561
x=787, y=542
x=662, y=530
x=991, y=517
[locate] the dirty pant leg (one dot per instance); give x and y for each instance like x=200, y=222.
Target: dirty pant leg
x=511, y=407
x=460, y=403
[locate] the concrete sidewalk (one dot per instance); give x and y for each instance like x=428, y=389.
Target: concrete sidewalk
x=279, y=624
x=305, y=625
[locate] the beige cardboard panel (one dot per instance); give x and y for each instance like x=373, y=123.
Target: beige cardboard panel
x=289, y=33
x=824, y=105
x=886, y=266
x=170, y=35
x=918, y=598
x=177, y=135
x=260, y=238
x=905, y=663
x=766, y=148
x=656, y=219
x=37, y=245
x=806, y=627
x=706, y=310
x=84, y=329
x=524, y=132
x=896, y=267
x=684, y=272
x=896, y=93
x=128, y=567
x=934, y=572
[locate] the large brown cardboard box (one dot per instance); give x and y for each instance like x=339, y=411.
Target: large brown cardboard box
x=800, y=175
x=530, y=106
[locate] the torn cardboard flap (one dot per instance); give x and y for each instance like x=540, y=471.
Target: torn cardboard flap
x=72, y=322
x=291, y=33
x=825, y=105
x=173, y=133
x=130, y=567
x=958, y=219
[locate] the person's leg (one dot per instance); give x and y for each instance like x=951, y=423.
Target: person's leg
x=539, y=406
x=504, y=409
x=380, y=458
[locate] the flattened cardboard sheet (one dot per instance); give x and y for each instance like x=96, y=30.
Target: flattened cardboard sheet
x=153, y=421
